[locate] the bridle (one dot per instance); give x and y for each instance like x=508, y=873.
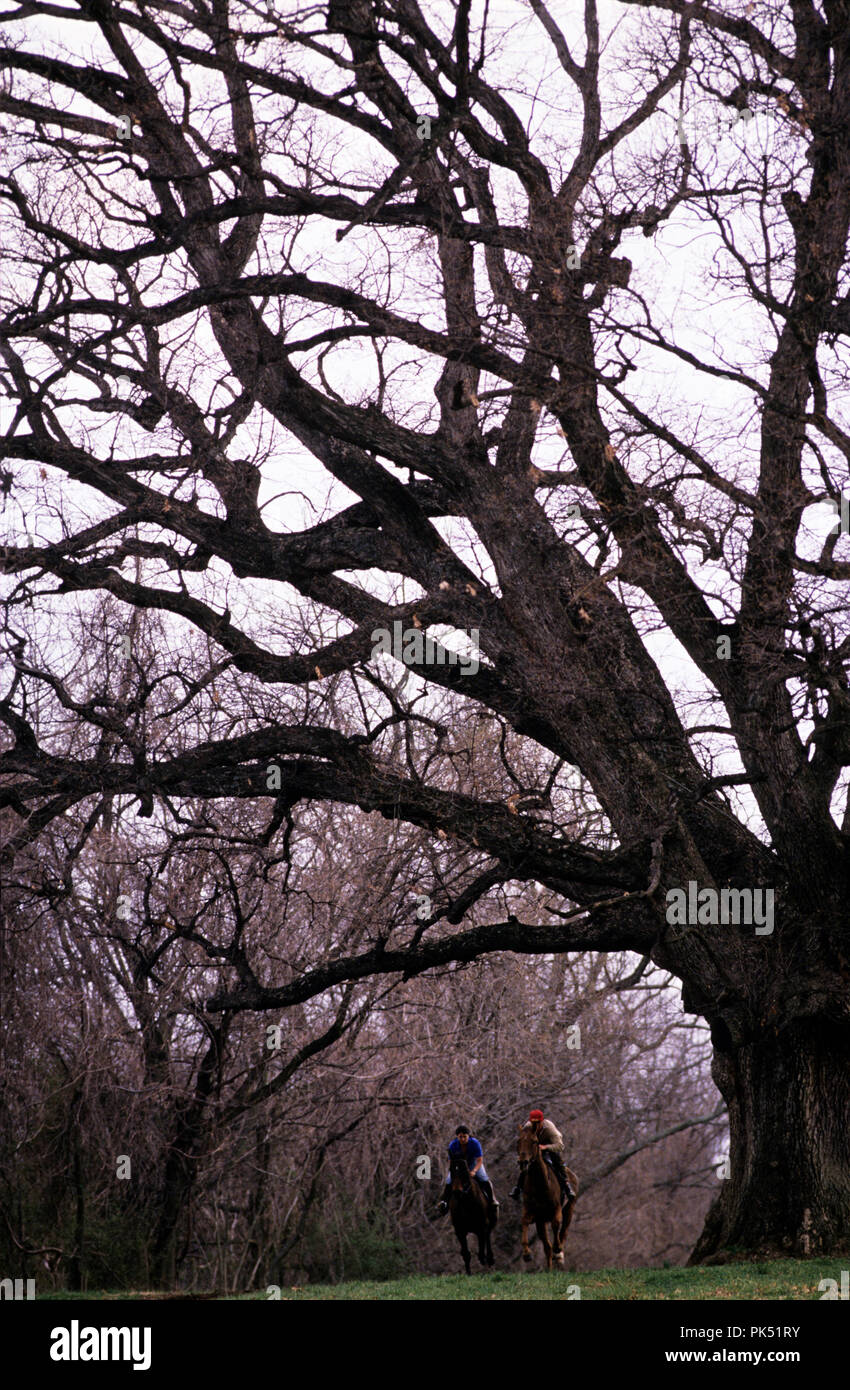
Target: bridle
x=524, y=1162
x=464, y=1186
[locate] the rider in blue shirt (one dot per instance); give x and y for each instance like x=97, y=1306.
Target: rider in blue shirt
x=465, y=1145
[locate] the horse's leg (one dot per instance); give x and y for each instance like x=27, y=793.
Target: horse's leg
x=526, y=1253
x=555, y=1197
x=571, y=1201
x=544, y=1240
x=464, y=1250
x=568, y=1215
x=482, y=1243
x=568, y=1207
x=488, y=1248
x=557, y=1251
x=555, y=1220
x=480, y=1216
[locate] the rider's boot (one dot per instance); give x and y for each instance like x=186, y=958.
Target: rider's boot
x=492, y=1204
x=561, y=1172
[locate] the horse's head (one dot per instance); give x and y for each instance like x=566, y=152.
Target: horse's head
x=459, y=1174
x=528, y=1147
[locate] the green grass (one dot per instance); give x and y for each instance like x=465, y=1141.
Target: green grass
x=780, y=1279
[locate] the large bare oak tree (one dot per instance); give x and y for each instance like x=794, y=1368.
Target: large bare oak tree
x=429, y=249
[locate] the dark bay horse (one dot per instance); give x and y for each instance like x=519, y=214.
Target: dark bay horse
x=470, y=1212
x=541, y=1199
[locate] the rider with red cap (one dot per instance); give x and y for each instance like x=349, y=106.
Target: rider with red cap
x=551, y=1143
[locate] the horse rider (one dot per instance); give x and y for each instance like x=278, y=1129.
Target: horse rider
x=551, y=1142
x=465, y=1145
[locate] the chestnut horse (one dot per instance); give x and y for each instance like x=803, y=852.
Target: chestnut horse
x=470, y=1212
x=541, y=1199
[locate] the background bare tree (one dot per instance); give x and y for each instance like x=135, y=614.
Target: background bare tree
x=293, y=1150
x=322, y=321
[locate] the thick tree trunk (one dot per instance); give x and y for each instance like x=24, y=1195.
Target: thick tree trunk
x=789, y=1112
x=76, y=1263
x=177, y=1187
x=184, y=1153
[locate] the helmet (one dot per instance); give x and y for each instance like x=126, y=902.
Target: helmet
x=536, y=1116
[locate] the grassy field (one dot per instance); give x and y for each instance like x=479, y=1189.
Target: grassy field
x=781, y=1279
